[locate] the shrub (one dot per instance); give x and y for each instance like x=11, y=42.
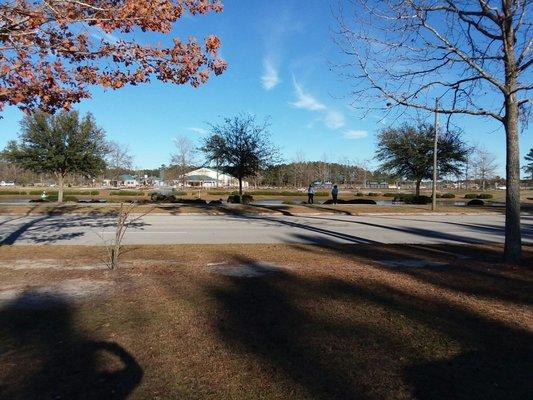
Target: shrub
x=448, y=196
x=235, y=198
x=178, y=192
x=66, y=198
x=126, y=193
x=390, y=194
x=470, y=196
x=82, y=192
x=215, y=203
x=359, y=194
x=373, y=194
x=476, y=202
x=352, y=201
x=189, y=201
x=484, y=196
x=360, y=201
x=413, y=199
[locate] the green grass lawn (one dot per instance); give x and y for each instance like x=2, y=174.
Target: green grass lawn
x=332, y=323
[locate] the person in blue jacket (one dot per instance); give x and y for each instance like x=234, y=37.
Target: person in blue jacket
x=334, y=193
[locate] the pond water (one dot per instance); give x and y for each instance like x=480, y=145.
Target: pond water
x=14, y=201
x=268, y=202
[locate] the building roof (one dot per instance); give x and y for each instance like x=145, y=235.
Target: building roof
x=203, y=170
x=199, y=178
x=127, y=178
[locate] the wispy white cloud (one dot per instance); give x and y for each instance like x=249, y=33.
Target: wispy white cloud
x=194, y=129
x=355, y=134
x=270, y=78
x=305, y=100
x=334, y=119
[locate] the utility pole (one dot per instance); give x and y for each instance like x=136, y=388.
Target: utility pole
x=435, y=144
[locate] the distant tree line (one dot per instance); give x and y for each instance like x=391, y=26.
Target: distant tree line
x=301, y=173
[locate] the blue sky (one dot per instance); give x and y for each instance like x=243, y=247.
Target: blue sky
x=279, y=54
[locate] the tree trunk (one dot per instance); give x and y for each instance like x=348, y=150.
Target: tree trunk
x=513, y=239
x=217, y=170
x=240, y=188
x=418, y=187
x=60, y=181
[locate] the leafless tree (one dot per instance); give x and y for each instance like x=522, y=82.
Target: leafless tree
x=485, y=165
x=119, y=159
x=184, y=157
x=447, y=56
x=126, y=218
x=300, y=167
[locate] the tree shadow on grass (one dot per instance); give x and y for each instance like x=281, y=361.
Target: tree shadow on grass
x=472, y=270
x=332, y=338
x=51, y=359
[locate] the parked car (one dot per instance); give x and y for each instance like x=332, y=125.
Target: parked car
x=7, y=183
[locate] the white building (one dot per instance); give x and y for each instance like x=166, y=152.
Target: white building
x=207, y=177
x=126, y=181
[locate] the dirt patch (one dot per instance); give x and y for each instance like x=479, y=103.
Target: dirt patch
x=70, y=289
x=48, y=264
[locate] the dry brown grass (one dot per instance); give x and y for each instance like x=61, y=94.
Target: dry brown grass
x=333, y=324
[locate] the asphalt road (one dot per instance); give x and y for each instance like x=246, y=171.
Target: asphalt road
x=164, y=229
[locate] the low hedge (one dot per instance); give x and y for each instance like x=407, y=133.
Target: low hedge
x=236, y=199
x=351, y=201
x=359, y=194
x=478, y=196
x=448, y=196
x=360, y=201
x=126, y=193
x=413, y=199
x=190, y=201
x=390, y=194
x=476, y=202
x=373, y=194
x=82, y=192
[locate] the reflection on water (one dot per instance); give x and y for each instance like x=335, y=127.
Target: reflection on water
x=14, y=201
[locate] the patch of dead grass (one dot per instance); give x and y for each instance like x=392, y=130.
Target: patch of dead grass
x=335, y=325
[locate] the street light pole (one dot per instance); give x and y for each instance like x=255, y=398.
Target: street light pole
x=435, y=145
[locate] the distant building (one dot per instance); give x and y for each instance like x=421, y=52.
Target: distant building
x=127, y=181
x=7, y=183
x=207, y=177
x=376, y=185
